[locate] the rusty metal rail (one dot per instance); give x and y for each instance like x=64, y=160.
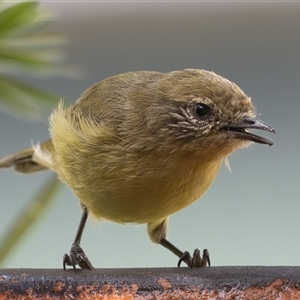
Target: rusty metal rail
x=155, y=284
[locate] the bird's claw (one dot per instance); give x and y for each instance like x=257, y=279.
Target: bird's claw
x=196, y=260
x=77, y=257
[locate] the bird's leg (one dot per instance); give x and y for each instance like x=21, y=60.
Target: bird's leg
x=158, y=231
x=77, y=255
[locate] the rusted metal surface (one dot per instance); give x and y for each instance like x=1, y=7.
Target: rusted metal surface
x=155, y=284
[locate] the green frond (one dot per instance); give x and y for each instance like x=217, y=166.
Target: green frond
x=26, y=49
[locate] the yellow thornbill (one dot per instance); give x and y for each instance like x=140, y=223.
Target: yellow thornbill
x=140, y=146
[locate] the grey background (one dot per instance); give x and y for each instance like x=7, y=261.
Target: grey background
x=249, y=216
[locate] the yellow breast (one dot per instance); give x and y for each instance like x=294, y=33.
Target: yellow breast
x=154, y=192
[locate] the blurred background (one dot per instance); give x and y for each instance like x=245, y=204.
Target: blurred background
x=249, y=216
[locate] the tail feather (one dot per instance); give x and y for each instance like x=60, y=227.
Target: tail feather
x=22, y=161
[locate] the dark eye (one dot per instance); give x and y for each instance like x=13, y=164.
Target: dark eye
x=201, y=111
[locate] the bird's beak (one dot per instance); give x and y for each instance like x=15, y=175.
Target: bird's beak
x=239, y=130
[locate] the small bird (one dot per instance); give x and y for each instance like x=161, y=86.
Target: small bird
x=140, y=146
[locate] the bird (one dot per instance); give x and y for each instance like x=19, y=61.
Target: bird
x=140, y=146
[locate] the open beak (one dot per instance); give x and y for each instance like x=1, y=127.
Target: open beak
x=240, y=130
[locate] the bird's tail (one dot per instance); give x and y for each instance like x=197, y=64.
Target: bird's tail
x=27, y=161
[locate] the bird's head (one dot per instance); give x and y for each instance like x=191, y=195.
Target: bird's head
x=207, y=112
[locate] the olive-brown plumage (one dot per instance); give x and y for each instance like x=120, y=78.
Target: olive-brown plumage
x=140, y=146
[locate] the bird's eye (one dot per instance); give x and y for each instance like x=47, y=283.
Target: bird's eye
x=201, y=111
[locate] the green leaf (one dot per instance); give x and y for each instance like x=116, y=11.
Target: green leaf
x=31, y=59
x=17, y=16
x=27, y=217
x=16, y=96
x=35, y=42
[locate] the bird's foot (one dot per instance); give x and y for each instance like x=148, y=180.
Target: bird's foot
x=77, y=257
x=195, y=260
